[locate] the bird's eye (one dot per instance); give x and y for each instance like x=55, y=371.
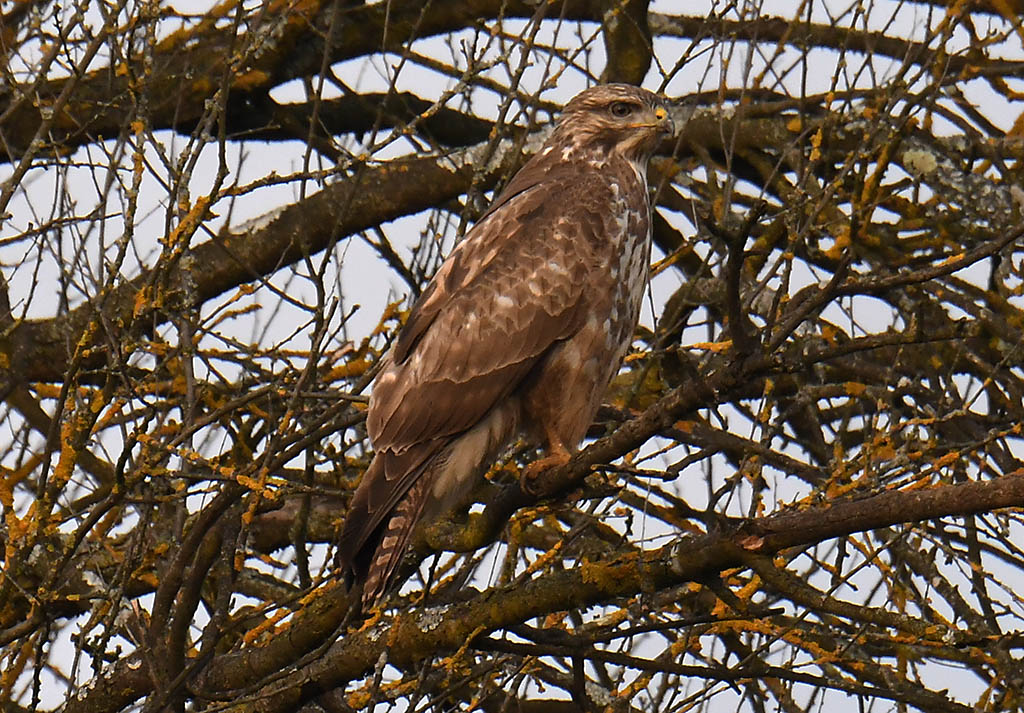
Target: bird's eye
x=621, y=109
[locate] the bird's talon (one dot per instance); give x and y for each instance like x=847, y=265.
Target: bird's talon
x=527, y=485
x=528, y=479
x=532, y=481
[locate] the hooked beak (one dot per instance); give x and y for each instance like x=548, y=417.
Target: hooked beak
x=664, y=124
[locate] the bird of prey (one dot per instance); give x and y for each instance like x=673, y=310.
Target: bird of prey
x=518, y=333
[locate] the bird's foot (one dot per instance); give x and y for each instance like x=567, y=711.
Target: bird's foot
x=532, y=480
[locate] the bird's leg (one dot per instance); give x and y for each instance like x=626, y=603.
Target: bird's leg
x=558, y=455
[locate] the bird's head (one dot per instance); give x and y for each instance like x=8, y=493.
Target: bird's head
x=617, y=118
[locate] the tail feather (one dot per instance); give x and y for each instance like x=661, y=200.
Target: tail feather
x=401, y=487
x=393, y=542
x=386, y=482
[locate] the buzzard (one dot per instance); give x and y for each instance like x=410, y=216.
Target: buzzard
x=518, y=333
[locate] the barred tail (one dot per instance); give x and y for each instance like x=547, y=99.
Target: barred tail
x=393, y=542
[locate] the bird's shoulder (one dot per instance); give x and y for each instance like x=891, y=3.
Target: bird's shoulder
x=531, y=226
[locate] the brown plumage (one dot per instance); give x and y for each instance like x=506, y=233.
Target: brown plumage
x=520, y=330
